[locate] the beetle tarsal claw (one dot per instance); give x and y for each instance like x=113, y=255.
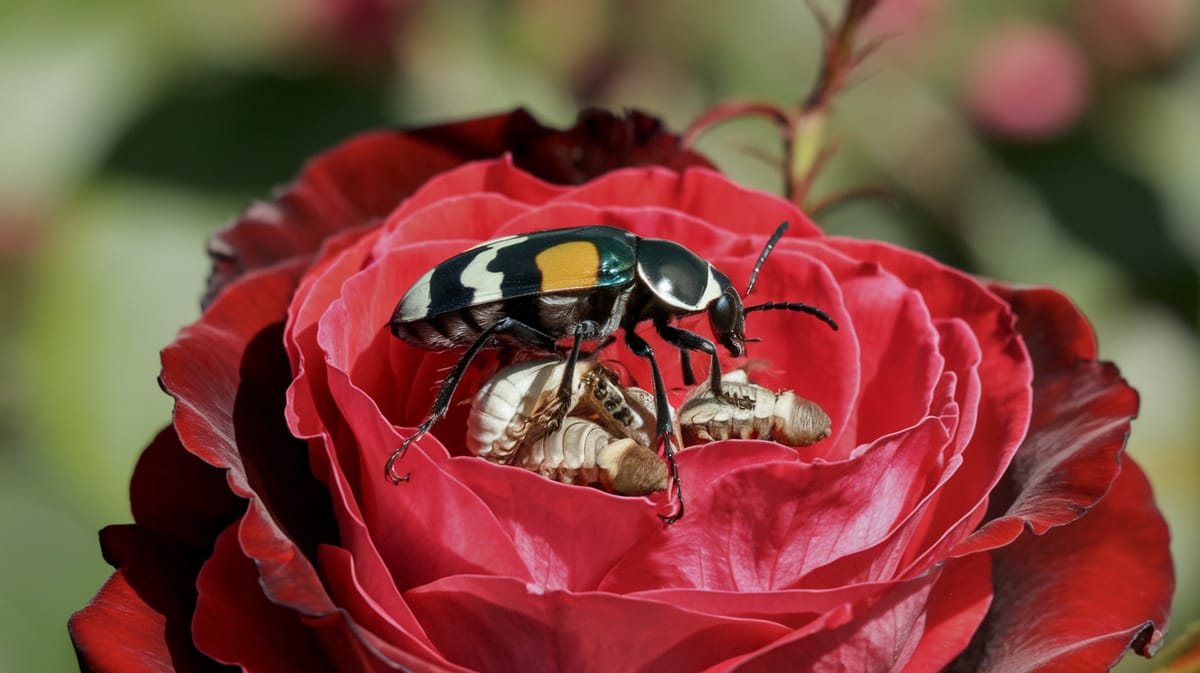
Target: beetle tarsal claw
x=389, y=468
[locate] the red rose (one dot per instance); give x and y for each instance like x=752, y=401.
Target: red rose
x=971, y=511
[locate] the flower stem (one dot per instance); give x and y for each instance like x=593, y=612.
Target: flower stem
x=802, y=127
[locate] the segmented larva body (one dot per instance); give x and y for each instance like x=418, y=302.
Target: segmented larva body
x=516, y=404
x=603, y=439
x=749, y=411
x=583, y=452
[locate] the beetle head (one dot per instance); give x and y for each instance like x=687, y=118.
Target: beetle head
x=728, y=323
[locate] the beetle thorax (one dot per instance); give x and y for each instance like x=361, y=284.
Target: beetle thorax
x=677, y=277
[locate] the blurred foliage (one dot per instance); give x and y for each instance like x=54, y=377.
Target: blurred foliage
x=132, y=129
x=243, y=132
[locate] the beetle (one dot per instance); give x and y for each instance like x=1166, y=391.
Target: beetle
x=583, y=283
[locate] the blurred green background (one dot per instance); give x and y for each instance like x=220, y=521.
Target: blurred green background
x=1036, y=142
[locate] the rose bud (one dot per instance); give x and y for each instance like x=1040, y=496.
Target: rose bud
x=1026, y=82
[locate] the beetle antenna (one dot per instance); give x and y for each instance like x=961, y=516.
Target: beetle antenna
x=783, y=226
x=792, y=306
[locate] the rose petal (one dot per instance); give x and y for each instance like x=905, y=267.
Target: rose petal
x=236, y=624
x=151, y=597
x=765, y=524
x=898, y=345
x=1076, y=597
x=499, y=624
x=174, y=493
x=957, y=605
x=1005, y=374
x=797, y=609
x=703, y=194
x=536, y=512
x=368, y=606
x=228, y=375
x=490, y=181
x=426, y=528
x=888, y=635
x=904, y=551
x=1081, y=415
x=916, y=544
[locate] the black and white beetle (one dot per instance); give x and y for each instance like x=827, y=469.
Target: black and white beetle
x=530, y=290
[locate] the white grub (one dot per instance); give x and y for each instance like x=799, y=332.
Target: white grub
x=749, y=411
x=516, y=405
x=583, y=452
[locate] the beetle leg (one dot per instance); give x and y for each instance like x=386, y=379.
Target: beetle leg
x=685, y=363
x=664, y=426
x=690, y=341
x=441, y=403
x=566, y=387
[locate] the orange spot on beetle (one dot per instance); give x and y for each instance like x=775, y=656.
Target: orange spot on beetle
x=569, y=266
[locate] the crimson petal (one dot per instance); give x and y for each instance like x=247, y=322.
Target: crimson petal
x=1081, y=415
x=1075, y=598
x=150, y=600
x=179, y=504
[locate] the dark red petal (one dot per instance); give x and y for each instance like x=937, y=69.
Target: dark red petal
x=1075, y=598
x=141, y=618
x=364, y=178
x=1057, y=335
x=1081, y=415
x=175, y=493
x=501, y=624
x=237, y=624
x=599, y=142
x=229, y=373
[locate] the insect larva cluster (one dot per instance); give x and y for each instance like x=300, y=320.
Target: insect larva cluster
x=602, y=441
x=605, y=436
